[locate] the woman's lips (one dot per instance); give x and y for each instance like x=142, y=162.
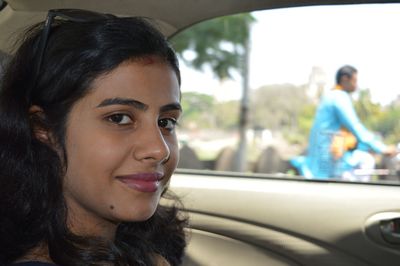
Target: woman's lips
x=144, y=182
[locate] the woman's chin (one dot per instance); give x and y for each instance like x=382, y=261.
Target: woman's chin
x=138, y=214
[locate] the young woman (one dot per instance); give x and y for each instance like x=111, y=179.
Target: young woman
x=88, y=109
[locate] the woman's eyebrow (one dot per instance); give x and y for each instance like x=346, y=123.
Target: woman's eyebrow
x=124, y=101
x=171, y=107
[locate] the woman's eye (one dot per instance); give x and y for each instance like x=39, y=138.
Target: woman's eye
x=167, y=123
x=120, y=119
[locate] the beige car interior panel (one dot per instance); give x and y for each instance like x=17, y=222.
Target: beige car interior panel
x=212, y=249
x=264, y=240
x=16, y=23
x=306, y=222
x=19, y=13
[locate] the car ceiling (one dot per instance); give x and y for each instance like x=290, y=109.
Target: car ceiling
x=171, y=15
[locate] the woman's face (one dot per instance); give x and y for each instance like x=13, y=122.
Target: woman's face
x=121, y=146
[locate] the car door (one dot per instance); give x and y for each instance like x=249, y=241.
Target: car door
x=242, y=220
x=266, y=215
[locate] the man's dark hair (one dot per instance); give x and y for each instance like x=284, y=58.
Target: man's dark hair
x=345, y=71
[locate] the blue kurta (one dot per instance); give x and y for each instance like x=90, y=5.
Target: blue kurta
x=335, y=111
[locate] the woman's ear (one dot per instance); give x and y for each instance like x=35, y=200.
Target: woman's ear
x=38, y=123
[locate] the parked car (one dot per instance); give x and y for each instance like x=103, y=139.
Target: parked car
x=247, y=218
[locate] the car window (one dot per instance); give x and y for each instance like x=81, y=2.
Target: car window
x=275, y=80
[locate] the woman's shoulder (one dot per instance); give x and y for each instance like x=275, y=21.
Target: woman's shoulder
x=32, y=263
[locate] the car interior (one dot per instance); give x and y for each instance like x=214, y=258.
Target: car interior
x=260, y=217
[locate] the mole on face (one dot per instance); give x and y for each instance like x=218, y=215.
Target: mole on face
x=112, y=207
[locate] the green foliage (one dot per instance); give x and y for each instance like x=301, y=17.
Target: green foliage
x=198, y=110
x=227, y=114
x=277, y=106
x=203, y=112
x=286, y=109
x=369, y=113
x=387, y=124
x=306, y=118
x=219, y=43
x=383, y=120
x=283, y=108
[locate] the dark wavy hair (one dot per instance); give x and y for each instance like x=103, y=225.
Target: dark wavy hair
x=32, y=207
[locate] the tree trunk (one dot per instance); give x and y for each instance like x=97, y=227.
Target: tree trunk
x=244, y=111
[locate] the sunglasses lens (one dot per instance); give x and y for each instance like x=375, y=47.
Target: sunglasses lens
x=77, y=15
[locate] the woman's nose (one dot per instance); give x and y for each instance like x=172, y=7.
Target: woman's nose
x=151, y=146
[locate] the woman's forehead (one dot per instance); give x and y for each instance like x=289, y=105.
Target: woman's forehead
x=151, y=80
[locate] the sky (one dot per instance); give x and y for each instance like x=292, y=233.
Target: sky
x=287, y=43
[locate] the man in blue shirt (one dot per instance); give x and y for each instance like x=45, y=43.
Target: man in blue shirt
x=335, y=123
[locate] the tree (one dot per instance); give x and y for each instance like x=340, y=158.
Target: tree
x=202, y=111
x=198, y=110
x=219, y=43
x=368, y=112
x=377, y=118
x=278, y=107
x=226, y=114
x=222, y=43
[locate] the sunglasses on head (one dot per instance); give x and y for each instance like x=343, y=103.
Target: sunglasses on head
x=75, y=15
